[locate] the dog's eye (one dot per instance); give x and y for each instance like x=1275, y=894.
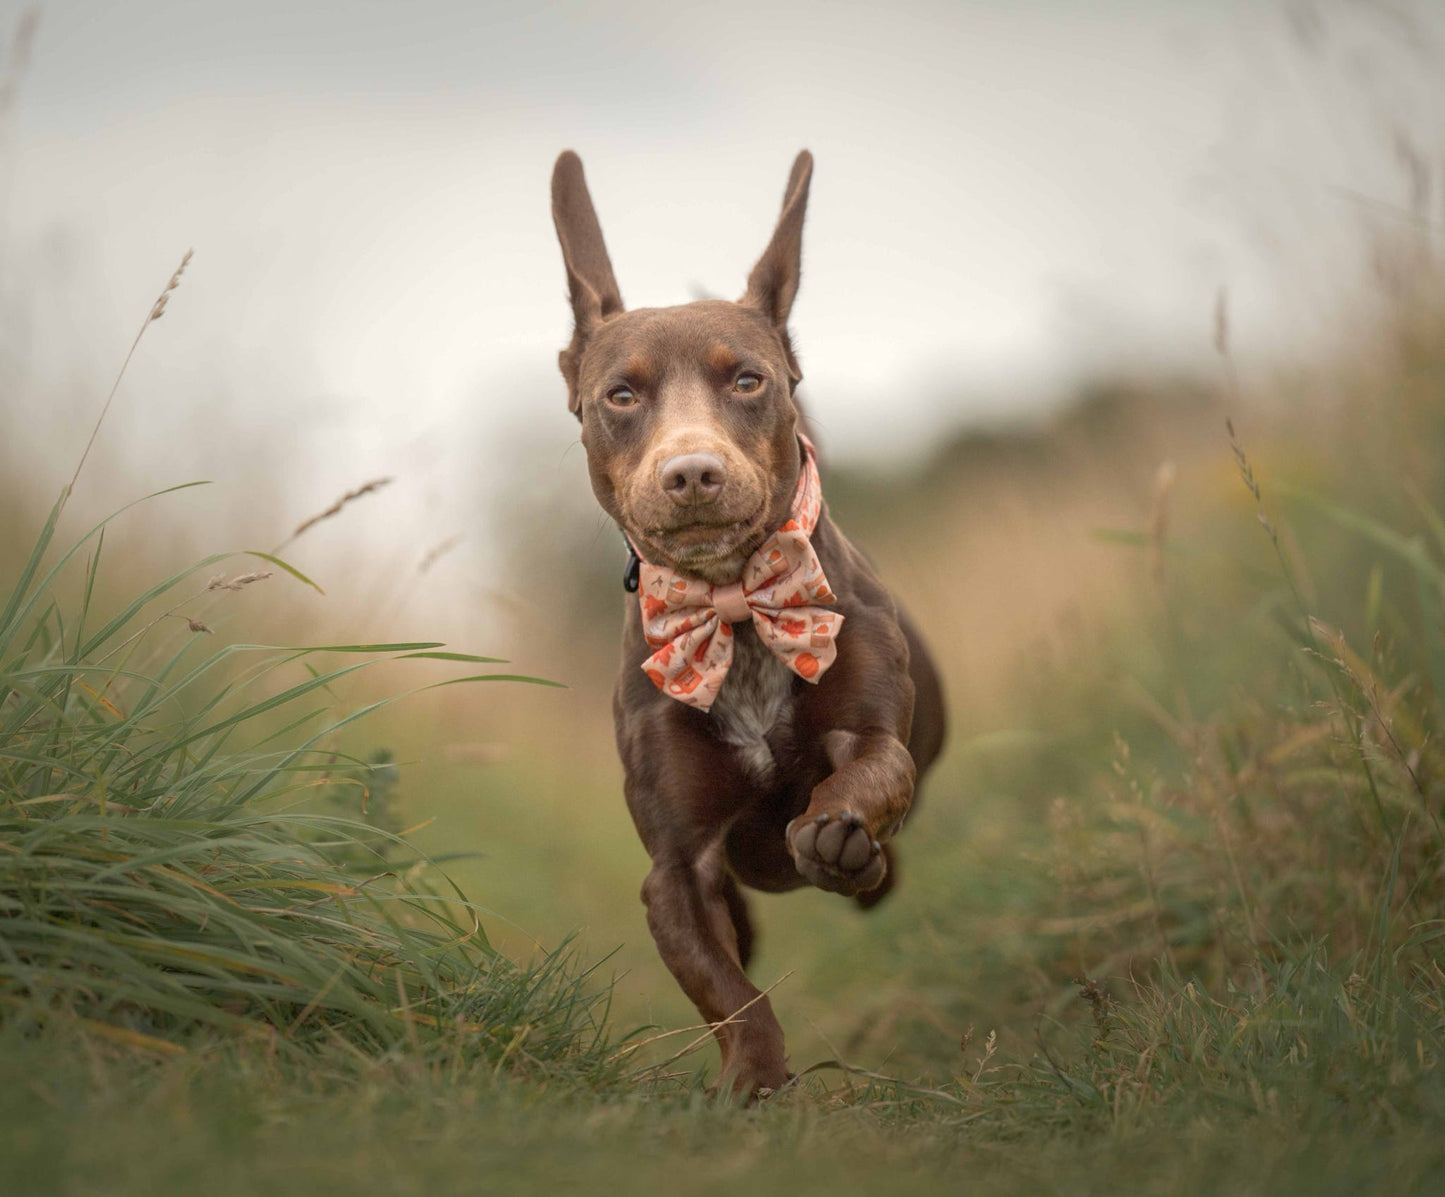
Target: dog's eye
x=621, y=397
x=747, y=384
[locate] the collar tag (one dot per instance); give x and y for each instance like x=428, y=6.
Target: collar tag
x=632, y=572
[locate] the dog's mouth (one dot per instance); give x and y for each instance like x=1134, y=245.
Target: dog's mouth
x=705, y=547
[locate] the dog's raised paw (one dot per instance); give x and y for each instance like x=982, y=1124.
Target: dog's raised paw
x=836, y=853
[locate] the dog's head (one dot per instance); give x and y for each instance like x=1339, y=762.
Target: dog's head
x=687, y=412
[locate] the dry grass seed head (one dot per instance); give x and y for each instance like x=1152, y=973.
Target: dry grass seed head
x=239, y=582
x=1101, y=1005
x=1221, y=322
x=350, y=496
x=438, y=551
x=159, y=309
x=155, y=313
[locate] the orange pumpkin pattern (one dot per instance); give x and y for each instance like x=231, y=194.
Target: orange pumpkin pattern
x=782, y=590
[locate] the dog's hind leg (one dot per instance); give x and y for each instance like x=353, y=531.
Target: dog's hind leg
x=742, y=924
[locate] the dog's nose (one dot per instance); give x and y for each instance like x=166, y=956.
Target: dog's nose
x=692, y=479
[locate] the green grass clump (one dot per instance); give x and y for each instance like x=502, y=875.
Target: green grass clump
x=1238, y=895
x=162, y=879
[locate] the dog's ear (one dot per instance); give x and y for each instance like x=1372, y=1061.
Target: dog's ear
x=773, y=283
x=590, y=281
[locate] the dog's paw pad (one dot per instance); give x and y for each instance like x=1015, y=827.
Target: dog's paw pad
x=835, y=852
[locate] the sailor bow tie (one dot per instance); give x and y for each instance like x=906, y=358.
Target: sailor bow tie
x=688, y=622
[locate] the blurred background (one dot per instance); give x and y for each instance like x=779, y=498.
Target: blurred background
x=1050, y=247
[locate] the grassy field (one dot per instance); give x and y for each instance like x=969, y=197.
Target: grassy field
x=1171, y=904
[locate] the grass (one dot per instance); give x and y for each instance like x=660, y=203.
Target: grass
x=1170, y=922
x=164, y=885
x=161, y=877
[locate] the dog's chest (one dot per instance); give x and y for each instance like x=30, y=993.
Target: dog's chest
x=754, y=707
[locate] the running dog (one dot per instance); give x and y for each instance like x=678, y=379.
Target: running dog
x=775, y=709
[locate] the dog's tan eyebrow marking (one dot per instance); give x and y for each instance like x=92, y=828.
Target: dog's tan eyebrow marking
x=638, y=370
x=720, y=359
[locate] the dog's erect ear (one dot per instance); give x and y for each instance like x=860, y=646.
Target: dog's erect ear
x=773, y=284
x=590, y=281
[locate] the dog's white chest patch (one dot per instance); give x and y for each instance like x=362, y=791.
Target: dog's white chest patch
x=755, y=698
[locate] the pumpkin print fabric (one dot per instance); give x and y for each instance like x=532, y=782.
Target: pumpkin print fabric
x=688, y=622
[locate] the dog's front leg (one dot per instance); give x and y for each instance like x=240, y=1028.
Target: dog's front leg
x=837, y=842
x=862, y=712
x=688, y=915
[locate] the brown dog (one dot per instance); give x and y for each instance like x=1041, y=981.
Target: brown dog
x=755, y=749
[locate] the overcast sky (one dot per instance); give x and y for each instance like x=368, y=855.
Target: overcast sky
x=1007, y=196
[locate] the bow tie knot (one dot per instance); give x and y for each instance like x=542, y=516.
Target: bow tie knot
x=731, y=603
